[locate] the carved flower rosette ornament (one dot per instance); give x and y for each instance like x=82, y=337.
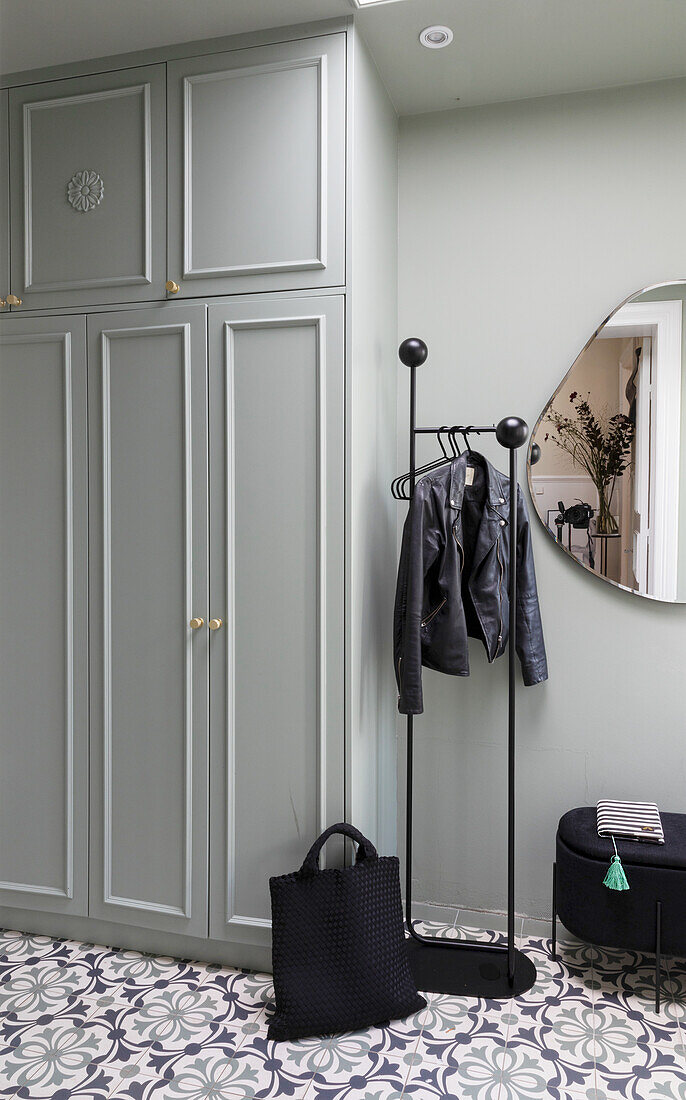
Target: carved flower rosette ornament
x=85, y=191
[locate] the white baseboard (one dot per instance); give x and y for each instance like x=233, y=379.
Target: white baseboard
x=492, y=919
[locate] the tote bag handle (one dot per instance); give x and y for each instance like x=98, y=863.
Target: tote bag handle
x=365, y=848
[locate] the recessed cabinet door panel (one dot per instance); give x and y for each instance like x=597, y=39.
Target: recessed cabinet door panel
x=4, y=202
x=149, y=671
x=256, y=168
x=43, y=612
x=88, y=189
x=277, y=516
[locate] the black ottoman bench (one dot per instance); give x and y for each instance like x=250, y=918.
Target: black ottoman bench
x=649, y=916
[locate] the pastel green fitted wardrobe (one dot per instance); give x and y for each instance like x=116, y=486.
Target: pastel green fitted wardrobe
x=197, y=433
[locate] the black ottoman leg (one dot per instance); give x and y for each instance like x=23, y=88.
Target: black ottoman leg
x=553, y=949
x=658, y=934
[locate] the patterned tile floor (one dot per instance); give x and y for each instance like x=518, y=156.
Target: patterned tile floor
x=81, y=1022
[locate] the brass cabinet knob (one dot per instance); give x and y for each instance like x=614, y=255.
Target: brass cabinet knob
x=171, y=287
x=12, y=300
x=214, y=624
x=2, y=303
x=196, y=623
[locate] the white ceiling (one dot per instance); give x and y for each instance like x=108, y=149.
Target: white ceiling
x=502, y=50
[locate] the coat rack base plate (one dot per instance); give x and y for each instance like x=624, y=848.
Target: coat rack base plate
x=468, y=971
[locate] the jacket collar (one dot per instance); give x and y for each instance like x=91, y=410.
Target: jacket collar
x=497, y=485
x=495, y=512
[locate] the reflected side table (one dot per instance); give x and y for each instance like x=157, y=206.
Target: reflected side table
x=604, y=539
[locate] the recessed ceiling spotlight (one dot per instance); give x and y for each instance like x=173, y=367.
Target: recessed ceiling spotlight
x=435, y=38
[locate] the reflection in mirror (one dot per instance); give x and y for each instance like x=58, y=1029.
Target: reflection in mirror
x=610, y=484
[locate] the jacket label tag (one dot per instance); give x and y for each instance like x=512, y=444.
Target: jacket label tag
x=469, y=475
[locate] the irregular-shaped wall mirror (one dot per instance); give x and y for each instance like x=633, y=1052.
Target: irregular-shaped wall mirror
x=610, y=483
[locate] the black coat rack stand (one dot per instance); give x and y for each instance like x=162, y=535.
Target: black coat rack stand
x=470, y=967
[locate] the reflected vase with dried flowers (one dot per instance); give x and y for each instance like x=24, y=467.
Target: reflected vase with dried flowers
x=601, y=445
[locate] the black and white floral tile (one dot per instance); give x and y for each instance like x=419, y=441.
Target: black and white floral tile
x=82, y=1022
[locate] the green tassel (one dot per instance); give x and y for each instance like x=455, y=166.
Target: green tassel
x=615, y=879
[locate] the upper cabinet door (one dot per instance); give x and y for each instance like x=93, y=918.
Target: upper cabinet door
x=43, y=612
x=257, y=168
x=88, y=189
x=4, y=204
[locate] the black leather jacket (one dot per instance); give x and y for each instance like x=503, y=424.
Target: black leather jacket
x=452, y=578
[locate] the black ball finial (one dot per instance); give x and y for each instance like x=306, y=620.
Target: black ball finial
x=413, y=352
x=534, y=454
x=511, y=432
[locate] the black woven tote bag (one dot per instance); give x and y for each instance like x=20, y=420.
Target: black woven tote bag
x=338, y=945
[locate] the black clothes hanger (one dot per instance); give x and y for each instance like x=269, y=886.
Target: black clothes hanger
x=453, y=441
x=441, y=444
x=400, y=486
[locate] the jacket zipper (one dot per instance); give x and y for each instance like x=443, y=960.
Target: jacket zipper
x=459, y=546
x=434, y=612
x=500, y=597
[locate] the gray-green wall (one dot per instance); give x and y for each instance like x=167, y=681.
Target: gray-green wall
x=522, y=226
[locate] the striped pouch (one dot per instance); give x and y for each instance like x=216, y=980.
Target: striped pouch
x=630, y=820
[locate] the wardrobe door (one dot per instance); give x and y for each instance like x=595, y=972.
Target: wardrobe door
x=88, y=189
x=147, y=392
x=43, y=614
x=277, y=561
x=257, y=168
